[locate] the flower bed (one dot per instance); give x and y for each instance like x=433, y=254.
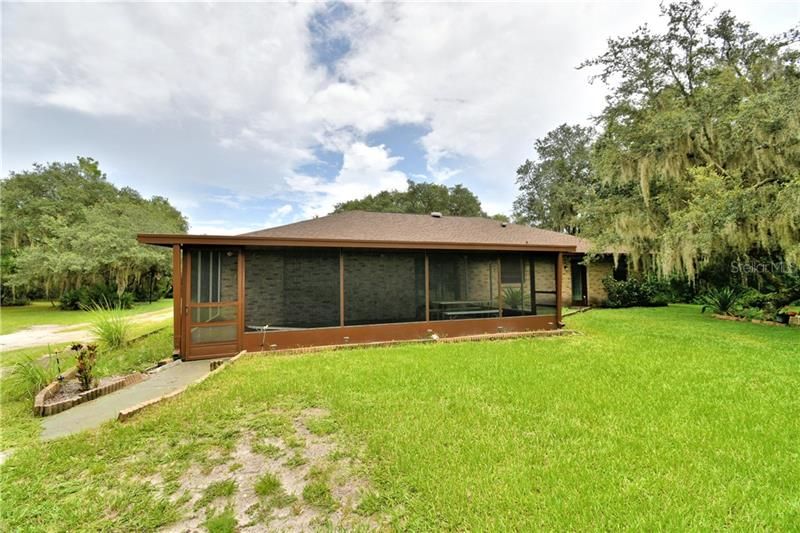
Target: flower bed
x=64, y=394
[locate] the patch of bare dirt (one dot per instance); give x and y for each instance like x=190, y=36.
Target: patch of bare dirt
x=295, y=459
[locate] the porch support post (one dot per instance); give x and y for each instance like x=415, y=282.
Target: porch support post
x=427, y=289
x=240, y=295
x=559, y=275
x=177, y=307
x=341, y=288
x=499, y=291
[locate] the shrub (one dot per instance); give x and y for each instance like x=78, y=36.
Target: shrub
x=110, y=326
x=97, y=295
x=646, y=292
x=85, y=359
x=74, y=299
x=106, y=296
x=722, y=301
x=31, y=375
x=512, y=298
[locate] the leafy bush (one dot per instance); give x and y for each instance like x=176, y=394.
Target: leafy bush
x=74, y=299
x=646, y=292
x=85, y=359
x=723, y=301
x=110, y=326
x=97, y=295
x=31, y=375
x=512, y=298
x=106, y=296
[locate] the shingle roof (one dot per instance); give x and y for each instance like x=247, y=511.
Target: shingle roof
x=400, y=227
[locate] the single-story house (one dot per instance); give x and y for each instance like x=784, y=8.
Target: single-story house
x=357, y=277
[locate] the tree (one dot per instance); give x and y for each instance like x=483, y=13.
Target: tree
x=419, y=198
x=64, y=226
x=555, y=187
x=699, y=143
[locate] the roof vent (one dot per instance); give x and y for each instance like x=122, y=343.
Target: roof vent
x=436, y=214
x=504, y=224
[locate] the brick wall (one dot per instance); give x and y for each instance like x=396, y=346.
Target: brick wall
x=291, y=289
x=596, y=271
x=383, y=287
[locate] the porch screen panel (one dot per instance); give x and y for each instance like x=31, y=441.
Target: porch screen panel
x=382, y=288
x=515, y=280
x=214, y=276
x=291, y=289
x=463, y=286
x=544, y=284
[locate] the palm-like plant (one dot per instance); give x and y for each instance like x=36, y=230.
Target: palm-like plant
x=721, y=301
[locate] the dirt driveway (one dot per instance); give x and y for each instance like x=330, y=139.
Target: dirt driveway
x=45, y=334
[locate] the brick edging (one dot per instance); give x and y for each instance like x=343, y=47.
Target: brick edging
x=42, y=408
x=216, y=367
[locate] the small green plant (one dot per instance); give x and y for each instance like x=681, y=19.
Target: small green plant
x=110, y=326
x=224, y=522
x=318, y=493
x=322, y=426
x=31, y=375
x=295, y=460
x=267, y=485
x=85, y=359
x=215, y=490
x=512, y=298
x=721, y=301
x=267, y=450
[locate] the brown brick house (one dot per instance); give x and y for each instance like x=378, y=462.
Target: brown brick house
x=359, y=277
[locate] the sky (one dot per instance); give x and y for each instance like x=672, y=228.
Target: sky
x=251, y=115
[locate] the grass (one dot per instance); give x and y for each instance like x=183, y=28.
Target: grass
x=223, y=522
x=267, y=485
x=20, y=427
x=650, y=419
x=16, y=318
x=110, y=326
x=134, y=330
x=218, y=489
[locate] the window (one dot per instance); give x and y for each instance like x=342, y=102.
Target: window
x=381, y=288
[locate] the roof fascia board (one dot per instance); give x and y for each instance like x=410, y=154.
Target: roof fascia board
x=160, y=239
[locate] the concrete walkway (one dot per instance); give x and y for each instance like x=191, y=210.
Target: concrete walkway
x=91, y=414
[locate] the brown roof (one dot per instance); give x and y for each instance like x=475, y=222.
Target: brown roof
x=423, y=229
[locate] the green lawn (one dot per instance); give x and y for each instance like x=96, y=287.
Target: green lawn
x=21, y=428
x=650, y=419
x=10, y=357
x=15, y=318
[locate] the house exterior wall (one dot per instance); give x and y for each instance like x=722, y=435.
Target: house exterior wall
x=595, y=275
x=298, y=292
x=383, y=287
x=596, y=272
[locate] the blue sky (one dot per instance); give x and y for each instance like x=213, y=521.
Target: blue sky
x=252, y=115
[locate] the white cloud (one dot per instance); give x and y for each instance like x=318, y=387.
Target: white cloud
x=365, y=170
x=485, y=80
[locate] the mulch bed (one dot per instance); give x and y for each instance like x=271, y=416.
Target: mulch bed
x=71, y=389
x=60, y=396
